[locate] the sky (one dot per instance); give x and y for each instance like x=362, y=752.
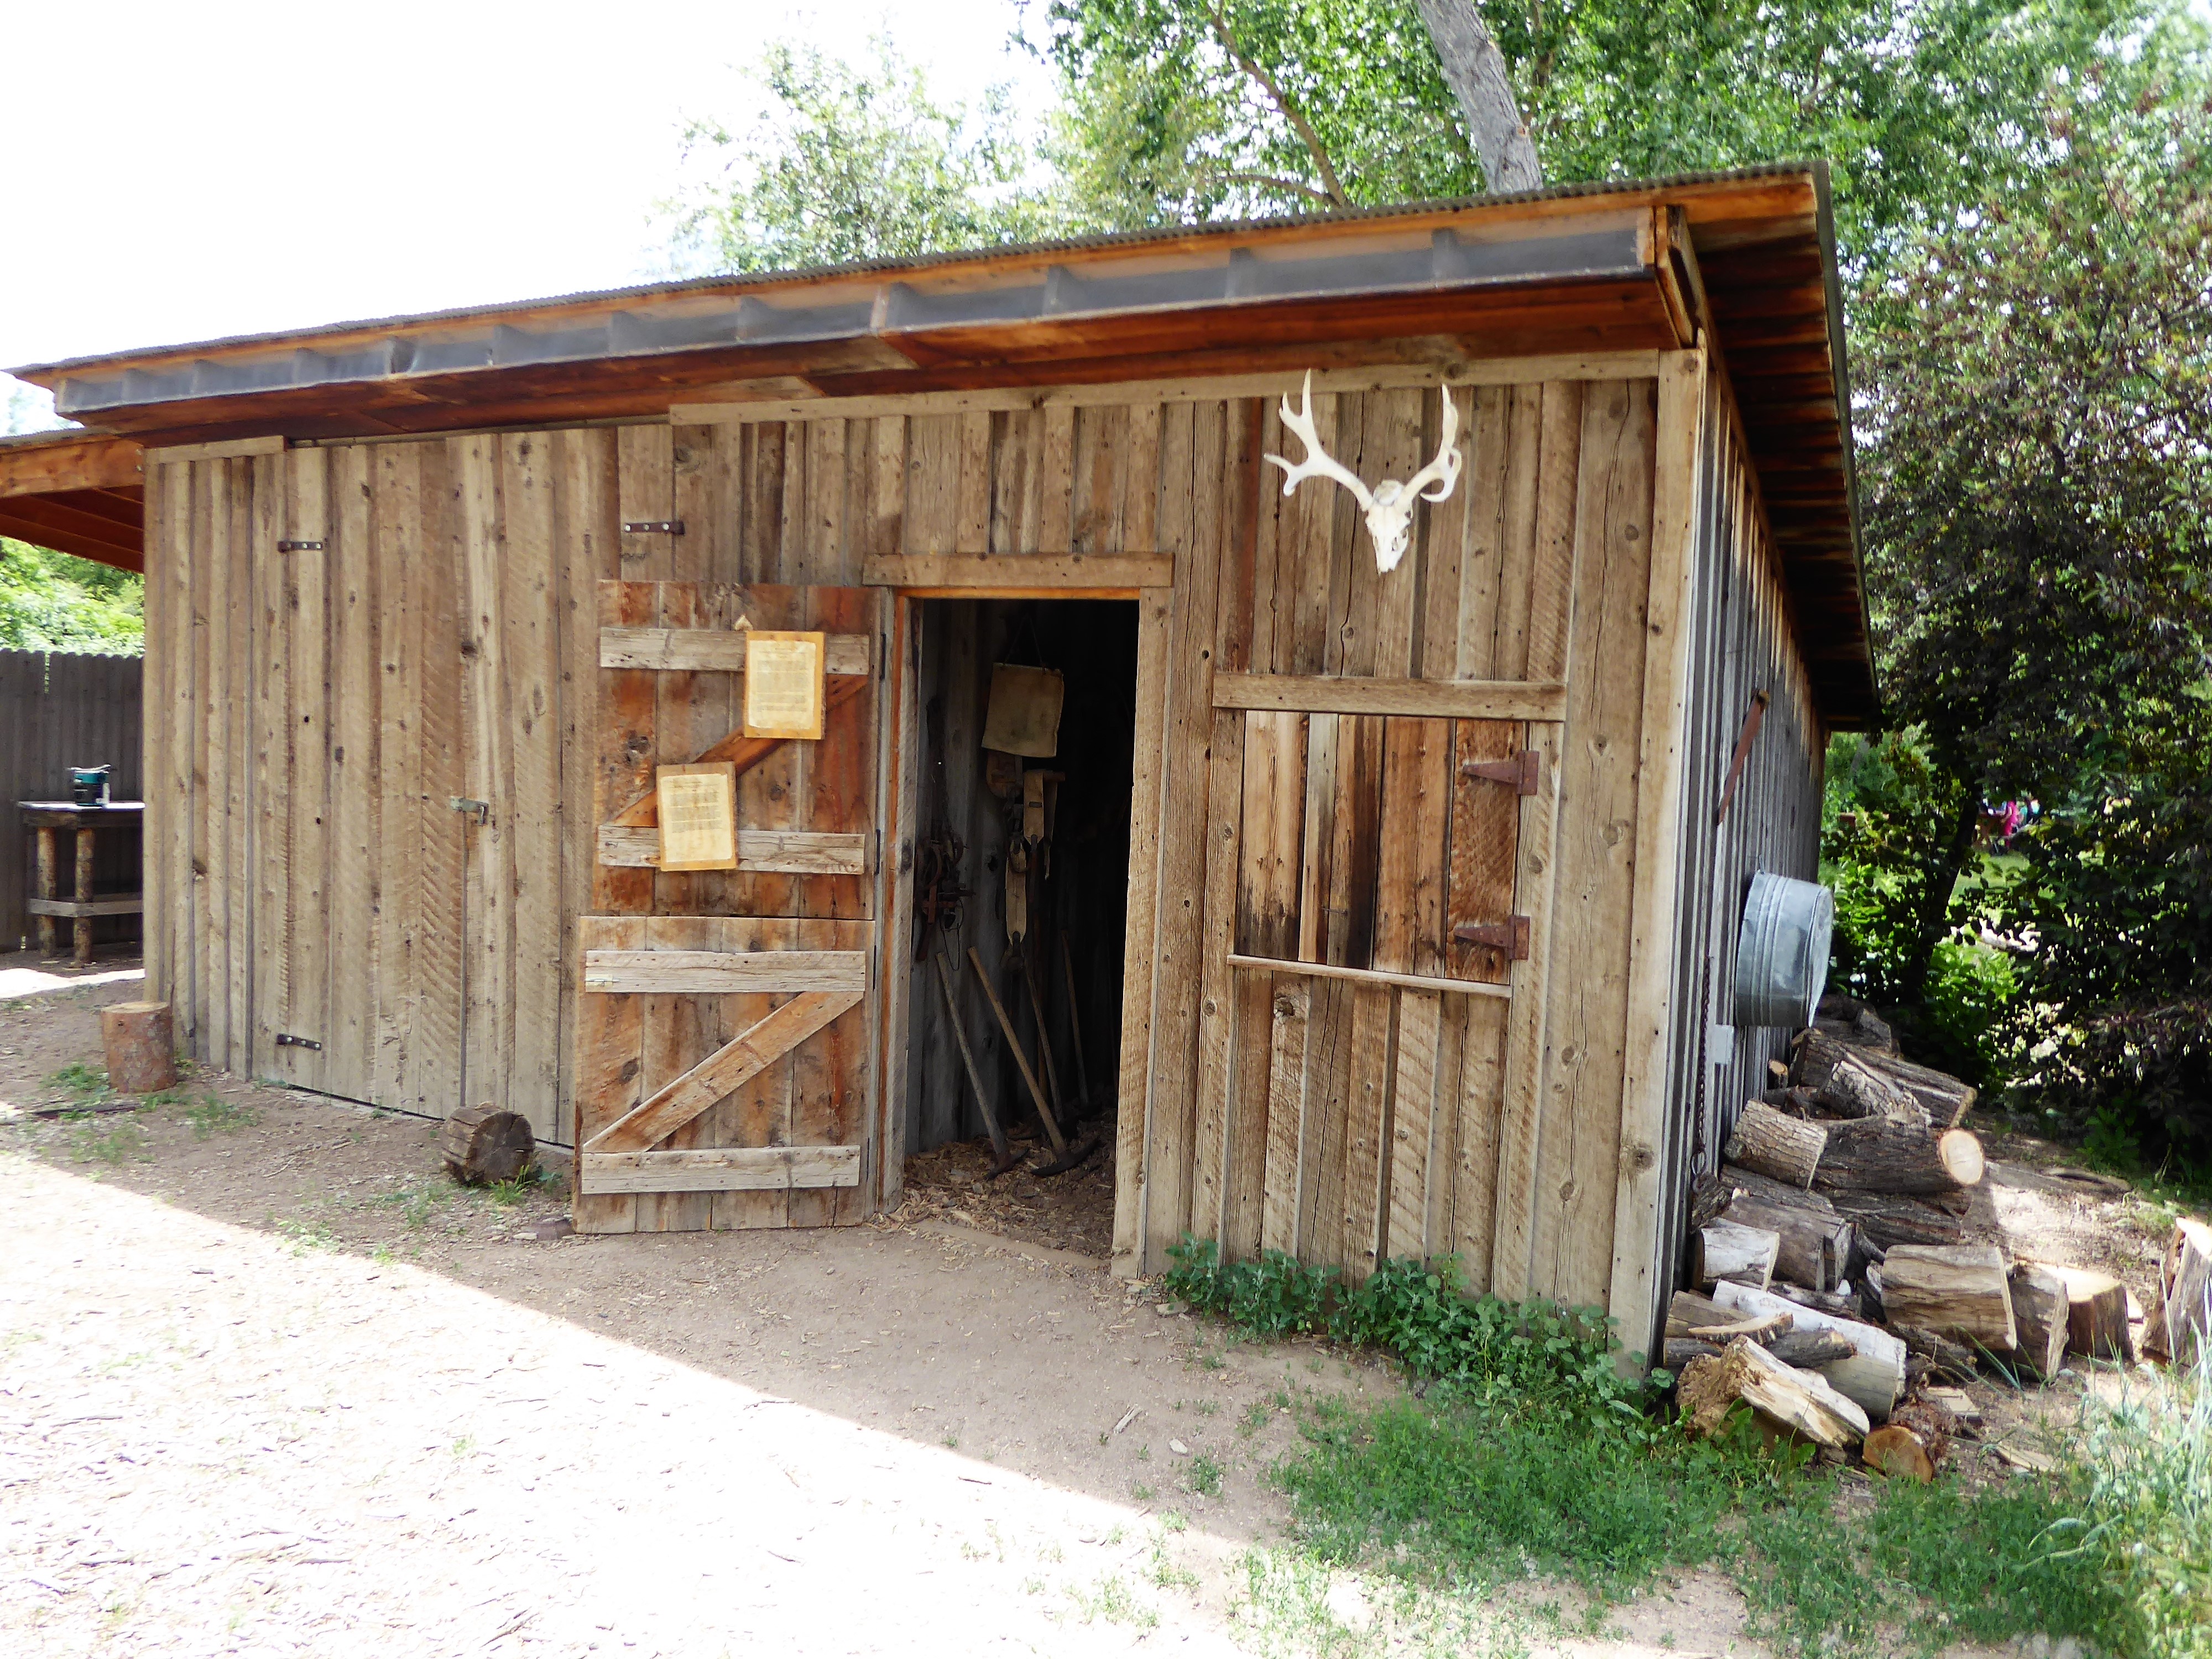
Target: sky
x=178, y=174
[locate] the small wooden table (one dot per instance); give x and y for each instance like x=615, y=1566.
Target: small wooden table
x=49, y=818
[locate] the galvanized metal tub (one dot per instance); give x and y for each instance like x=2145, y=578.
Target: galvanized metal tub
x=1782, y=952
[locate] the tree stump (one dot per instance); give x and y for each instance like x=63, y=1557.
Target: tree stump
x=141, y=1056
x=2097, y=1316
x=2185, y=1314
x=1775, y=1145
x=483, y=1144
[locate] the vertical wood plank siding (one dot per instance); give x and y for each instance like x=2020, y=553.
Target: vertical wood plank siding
x=59, y=709
x=1742, y=641
x=443, y=643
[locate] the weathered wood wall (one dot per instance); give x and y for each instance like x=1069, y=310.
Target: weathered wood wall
x=59, y=709
x=1742, y=641
x=441, y=641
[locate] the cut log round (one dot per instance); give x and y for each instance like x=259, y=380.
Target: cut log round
x=1874, y=1155
x=1812, y=1250
x=1775, y=1144
x=1729, y=1249
x=2038, y=1311
x=1958, y=1290
x=2185, y=1292
x=1896, y=1451
x=142, y=1055
x=1874, y=1376
x=1944, y=1098
x=482, y=1144
x=2097, y=1316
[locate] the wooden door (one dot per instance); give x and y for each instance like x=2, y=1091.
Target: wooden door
x=1374, y=918
x=726, y=1071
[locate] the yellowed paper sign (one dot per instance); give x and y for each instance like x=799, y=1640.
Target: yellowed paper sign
x=784, y=684
x=698, y=807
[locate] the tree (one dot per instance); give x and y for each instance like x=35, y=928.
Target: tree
x=849, y=163
x=2036, y=453
x=53, y=602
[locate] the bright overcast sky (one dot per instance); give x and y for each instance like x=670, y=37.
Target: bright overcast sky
x=182, y=173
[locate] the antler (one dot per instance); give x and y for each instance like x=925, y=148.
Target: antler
x=1389, y=506
x=1318, y=463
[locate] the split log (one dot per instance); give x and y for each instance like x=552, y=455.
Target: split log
x=1844, y=1084
x=142, y=1052
x=1843, y=1301
x=1802, y=1402
x=2038, y=1311
x=1886, y=1220
x=1811, y=1249
x=1874, y=1373
x=2185, y=1314
x=1767, y=1190
x=1943, y=1097
x=2097, y=1316
x=1709, y=1196
x=1874, y=1155
x=482, y=1144
x=1693, y=1316
x=1775, y=1144
x=1809, y=1350
x=1727, y=1250
x=1897, y=1451
x=1958, y=1291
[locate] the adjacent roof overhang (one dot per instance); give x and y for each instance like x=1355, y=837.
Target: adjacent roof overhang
x=1747, y=256
x=74, y=492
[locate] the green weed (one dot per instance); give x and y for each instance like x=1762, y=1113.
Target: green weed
x=1255, y=1419
x=86, y=1084
x=123, y=1144
x=1109, y=1599
x=307, y=1236
x=1205, y=1476
x=509, y=1193
x=213, y=1115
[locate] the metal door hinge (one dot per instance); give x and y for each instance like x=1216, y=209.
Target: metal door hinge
x=652, y=527
x=286, y=1039
x=1521, y=772
x=480, y=809
x=1511, y=936
x=299, y=547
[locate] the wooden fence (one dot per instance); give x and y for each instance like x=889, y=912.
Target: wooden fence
x=59, y=709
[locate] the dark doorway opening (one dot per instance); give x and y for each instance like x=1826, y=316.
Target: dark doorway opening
x=982, y=864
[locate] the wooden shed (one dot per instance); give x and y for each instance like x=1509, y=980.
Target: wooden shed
x=1393, y=913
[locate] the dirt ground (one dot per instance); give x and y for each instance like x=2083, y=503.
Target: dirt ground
x=273, y=1385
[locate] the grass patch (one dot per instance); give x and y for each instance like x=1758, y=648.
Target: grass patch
x=1530, y=1453
x=125, y=1142
x=307, y=1236
x=1205, y=1476
x=212, y=1115
x=86, y=1085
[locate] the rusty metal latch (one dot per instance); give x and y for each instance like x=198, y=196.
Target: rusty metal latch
x=1520, y=773
x=652, y=527
x=299, y=547
x=1511, y=936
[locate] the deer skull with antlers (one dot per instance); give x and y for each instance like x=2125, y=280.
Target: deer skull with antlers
x=1389, y=505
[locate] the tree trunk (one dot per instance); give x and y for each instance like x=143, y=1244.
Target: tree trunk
x=1475, y=70
x=1775, y=1144
x=2185, y=1292
x=1815, y=1249
x=142, y=1057
x=1734, y=1251
x=1958, y=1290
x=2038, y=1310
x=482, y=1144
x=1874, y=1155
x=1934, y=917
x=1874, y=1376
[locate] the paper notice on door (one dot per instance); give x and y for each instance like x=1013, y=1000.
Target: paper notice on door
x=698, y=807
x=784, y=684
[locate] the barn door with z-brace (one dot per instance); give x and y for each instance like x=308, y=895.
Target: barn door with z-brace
x=725, y=1075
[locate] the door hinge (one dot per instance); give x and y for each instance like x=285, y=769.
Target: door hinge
x=1511, y=936
x=652, y=527
x=286, y=1039
x=1521, y=772
x=480, y=809
x=299, y=547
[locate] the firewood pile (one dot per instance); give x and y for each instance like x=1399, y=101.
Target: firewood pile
x=1849, y=1277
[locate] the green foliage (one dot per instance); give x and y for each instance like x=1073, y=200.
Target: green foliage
x=845, y=162
x=213, y=1115
x=2146, y=1509
x=52, y=602
x=86, y=1082
x=1469, y=1347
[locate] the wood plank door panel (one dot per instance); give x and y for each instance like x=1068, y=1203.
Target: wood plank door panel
x=725, y=1051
